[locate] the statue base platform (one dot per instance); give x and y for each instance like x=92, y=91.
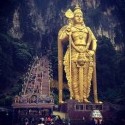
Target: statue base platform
x=78, y=110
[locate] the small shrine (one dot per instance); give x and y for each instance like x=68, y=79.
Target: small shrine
x=34, y=101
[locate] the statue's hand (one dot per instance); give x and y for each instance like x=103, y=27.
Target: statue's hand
x=91, y=52
x=68, y=30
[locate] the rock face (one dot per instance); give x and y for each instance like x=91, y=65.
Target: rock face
x=38, y=22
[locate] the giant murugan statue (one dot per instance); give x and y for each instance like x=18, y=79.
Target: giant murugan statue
x=79, y=59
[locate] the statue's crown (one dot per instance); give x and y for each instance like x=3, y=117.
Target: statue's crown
x=77, y=9
x=70, y=14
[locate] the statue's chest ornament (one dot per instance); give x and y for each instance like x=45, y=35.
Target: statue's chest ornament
x=80, y=32
x=80, y=35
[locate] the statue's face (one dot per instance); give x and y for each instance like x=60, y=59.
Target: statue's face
x=78, y=18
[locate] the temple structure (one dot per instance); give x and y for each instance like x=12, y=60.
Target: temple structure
x=34, y=100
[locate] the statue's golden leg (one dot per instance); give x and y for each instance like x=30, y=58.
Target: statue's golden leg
x=81, y=83
x=85, y=83
x=75, y=81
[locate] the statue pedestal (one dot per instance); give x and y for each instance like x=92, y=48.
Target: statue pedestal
x=81, y=113
x=77, y=110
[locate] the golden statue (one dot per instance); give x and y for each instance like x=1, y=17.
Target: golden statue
x=79, y=59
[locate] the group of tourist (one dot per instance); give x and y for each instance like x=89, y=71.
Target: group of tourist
x=48, y=120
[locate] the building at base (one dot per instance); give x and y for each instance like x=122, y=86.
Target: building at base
x=35, y=100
